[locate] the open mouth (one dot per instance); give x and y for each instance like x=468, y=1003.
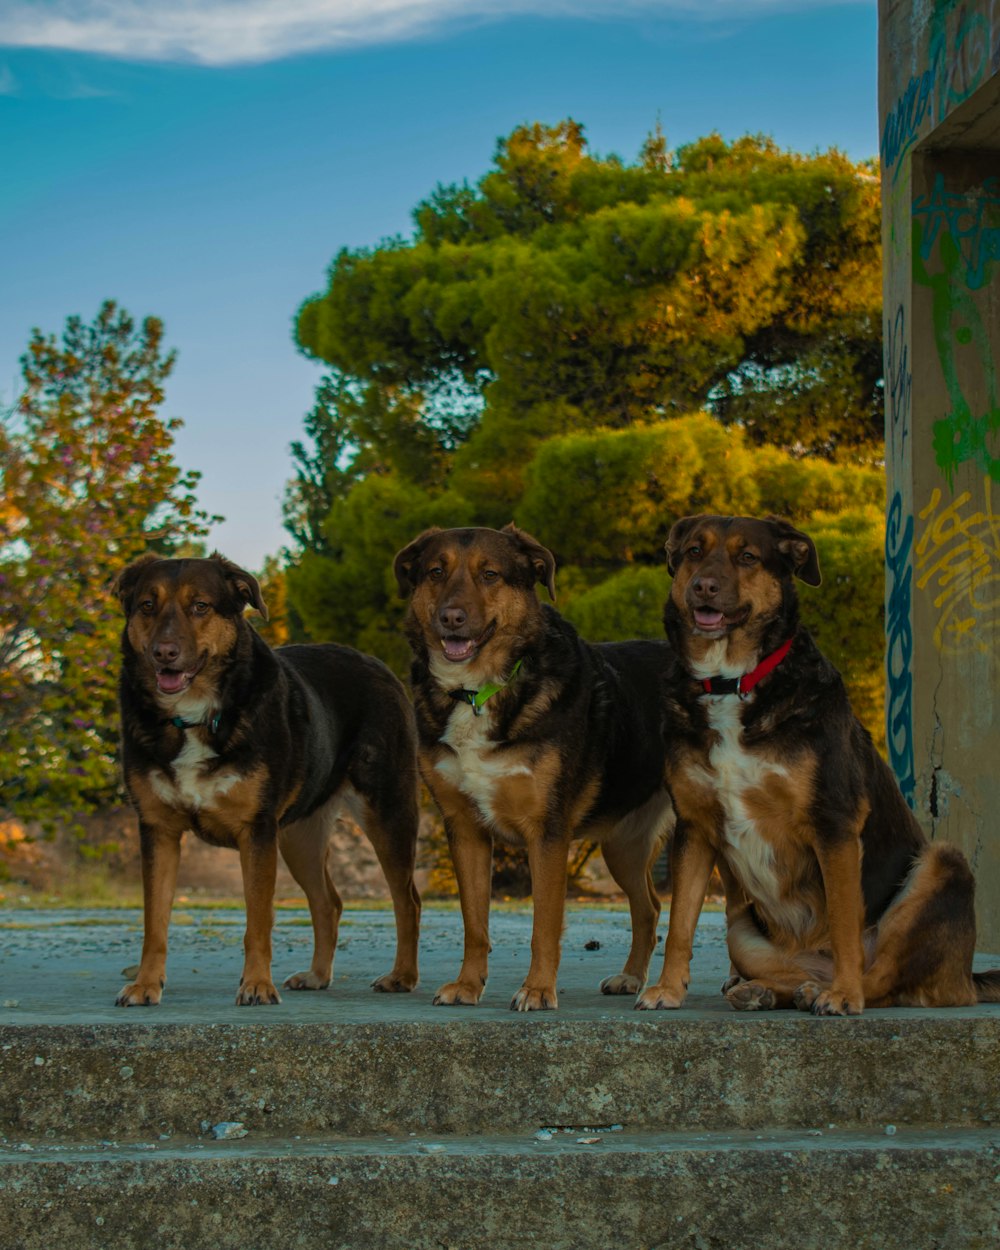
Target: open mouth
x=712, y=621
x=176, y=680
x=458, y=650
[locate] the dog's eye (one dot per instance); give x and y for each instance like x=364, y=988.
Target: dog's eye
x=748, y=557
x=200, y=607
x=693, y=552
x=490, y=575
x=146, y=606
x=435, y=573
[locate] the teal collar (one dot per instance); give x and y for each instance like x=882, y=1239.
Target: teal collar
x=476, y=698
x=212, y=725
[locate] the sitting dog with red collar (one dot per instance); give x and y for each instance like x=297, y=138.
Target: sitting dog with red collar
x=834, y=898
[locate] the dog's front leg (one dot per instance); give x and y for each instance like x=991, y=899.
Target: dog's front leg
x=160, y=852
x=548, y=857
x=840, y=864
x=692, y=857
x=472, y=858
x=259, y=862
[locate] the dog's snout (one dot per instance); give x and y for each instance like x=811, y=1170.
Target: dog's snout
x=166, y=652
x=707, y=587
x=452, y=617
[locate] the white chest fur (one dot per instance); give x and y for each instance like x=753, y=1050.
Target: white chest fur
x=478, y=764
x=193, y=786
x=733, y=771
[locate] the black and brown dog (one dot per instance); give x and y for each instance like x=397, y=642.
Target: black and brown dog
x=530, y=735
x=835, y=899
x=257, y=749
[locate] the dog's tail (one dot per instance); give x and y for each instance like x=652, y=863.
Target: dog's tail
x=987, y=985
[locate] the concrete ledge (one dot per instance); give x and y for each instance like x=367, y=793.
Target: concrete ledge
x=651, y=1191
x=462, y=1075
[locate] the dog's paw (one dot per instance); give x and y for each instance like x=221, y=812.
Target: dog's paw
x=621, y=983
x=395, y=983
x=140, y=994
x=749, y=995
x=306, y=981
x=827, y=1002
x=659, y=998
x=730, y=982
x=457, y=994
x=529, y=998
x=257, y=994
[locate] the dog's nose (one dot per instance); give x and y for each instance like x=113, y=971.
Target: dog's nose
x=452, y=618
x=707, y=587
x=166, y=653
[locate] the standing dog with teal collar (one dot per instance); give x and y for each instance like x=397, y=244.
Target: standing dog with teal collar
x=532, y=736
x=258, y=750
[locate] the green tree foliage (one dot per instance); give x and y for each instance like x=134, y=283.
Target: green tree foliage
x=593, y=348
x=578, y=291
x=88, y=482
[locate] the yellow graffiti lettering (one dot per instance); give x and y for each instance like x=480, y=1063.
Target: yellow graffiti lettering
x=957, y=562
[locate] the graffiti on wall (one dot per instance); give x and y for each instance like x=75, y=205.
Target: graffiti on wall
x=962, y=229
x=898, y=561
x=958, y=561
x=964, y=49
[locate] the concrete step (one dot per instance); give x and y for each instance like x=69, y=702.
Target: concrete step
x=136, y=1081
x=655, y=1190
x=383, y=1121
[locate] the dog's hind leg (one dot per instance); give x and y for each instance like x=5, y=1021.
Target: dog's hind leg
x=629, y=854
x=927, y=937
x=390, y=822
x=769, y=978
x=305, y=847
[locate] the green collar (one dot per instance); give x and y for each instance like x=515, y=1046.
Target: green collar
x=476, y=698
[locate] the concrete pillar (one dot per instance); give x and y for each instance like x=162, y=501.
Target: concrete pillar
x=939, y=111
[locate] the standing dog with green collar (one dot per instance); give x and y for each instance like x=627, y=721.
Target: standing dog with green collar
x=530, y=735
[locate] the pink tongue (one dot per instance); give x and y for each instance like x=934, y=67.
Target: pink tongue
x=458, y=648
x=707, y=618
x=170, y=682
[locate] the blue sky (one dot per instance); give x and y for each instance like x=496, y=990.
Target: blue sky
x=203, y=161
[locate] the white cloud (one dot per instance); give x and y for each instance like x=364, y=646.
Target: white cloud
x=229, y=32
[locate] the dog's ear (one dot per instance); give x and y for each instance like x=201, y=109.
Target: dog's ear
x=244, y=583
x=677, y=540
x=405, y=563
x=542, y=560
x=799, y=551
x=123, y=586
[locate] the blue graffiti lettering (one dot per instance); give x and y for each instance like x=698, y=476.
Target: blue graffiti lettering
x=902, y=124
x=970, y=218
x=899, y=646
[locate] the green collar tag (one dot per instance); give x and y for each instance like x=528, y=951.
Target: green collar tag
x=476, y=698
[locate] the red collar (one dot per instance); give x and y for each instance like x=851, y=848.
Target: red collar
x=743, y=685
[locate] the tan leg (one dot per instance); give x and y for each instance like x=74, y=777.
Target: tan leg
x=691, y=862
x=472, y=858
x=840, y=865
x=630, y=865
x=259, y=862
x=160, y=849
x=305, y=848
x=547, y=860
